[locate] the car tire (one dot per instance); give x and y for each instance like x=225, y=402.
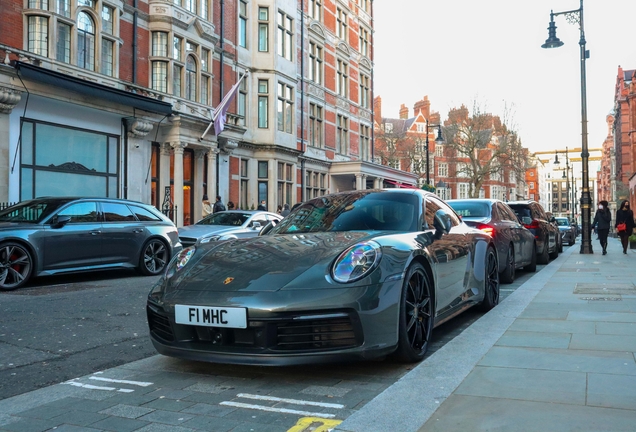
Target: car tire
x=560, y=246
x=491, y=281
x=508, y=275
x=154, y=257
x=544, y=258
x=572, y=242
x=416, y=315
x=532, y=267
x=555, y=253
x=16, y=266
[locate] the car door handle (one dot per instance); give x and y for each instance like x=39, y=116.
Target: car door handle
x=96, y=232
x=138, y=230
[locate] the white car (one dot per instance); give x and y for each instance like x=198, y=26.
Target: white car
x=225, y=225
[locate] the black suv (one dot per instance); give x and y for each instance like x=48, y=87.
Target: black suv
x=533, y=217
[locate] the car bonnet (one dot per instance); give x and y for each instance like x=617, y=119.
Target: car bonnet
x=268, y=263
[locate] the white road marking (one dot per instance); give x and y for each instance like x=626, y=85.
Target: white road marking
x=291, y=401
x=280, y=410
x=93, y=387
x=137, y=383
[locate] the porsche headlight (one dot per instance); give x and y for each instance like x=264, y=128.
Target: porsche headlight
x=180, y=261
x=356, y=262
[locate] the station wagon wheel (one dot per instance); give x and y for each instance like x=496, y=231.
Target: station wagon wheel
x=16, y=266
x=508, y=275
x=491, y=281
x=416, y=315
x=154, y=258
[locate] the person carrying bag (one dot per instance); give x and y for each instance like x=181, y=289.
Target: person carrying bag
x=624, y=223
x=602, y=221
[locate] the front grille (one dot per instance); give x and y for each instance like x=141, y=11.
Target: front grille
x=187, y=241
x=316, y=334
x=159, y=325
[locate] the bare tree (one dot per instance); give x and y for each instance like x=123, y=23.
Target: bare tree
x=389, y=143
x=484, y=145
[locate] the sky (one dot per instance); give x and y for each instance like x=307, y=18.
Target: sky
x=488, y=52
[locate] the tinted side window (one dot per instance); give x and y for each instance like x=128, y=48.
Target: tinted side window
x=81, y=212
x=115, y=212
x=439, y=204
x=508, y=213
x=538, y=212
x=144, y=215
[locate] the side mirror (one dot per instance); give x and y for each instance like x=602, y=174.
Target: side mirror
x=442, y=221
x=256, y=225
x=60, y=221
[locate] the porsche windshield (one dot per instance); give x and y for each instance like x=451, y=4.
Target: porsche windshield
x=363, y=211
x=32, y=211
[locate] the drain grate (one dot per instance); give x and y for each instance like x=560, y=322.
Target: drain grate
x=605, y=288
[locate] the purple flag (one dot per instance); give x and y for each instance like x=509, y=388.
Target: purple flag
x=220, y=113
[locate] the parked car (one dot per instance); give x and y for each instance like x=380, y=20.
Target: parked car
x=515, y=244
x=357, y=274
x=567, y=230
x=553, y=221
x=53, y=235
x=225, y=225
x=532, y=215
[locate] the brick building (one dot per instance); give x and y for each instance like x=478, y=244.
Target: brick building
x=625, y=134
x=113, y=98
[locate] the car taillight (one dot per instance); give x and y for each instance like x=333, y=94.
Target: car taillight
x=533, y=225
x=487, y=229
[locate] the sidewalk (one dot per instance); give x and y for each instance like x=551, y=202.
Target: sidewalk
x=557, y=355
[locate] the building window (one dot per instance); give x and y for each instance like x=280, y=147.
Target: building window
x=315, y=184
x=176, y=80
x=442, y=170
x=364, y=42
x=39, y=35
x=285, y=107
x=342, y=78
x=205, y=88
x=191, y=79
x=39, y=4
x=364, y=91
x=463, y=190
x=341, y=24
x=242, y=101
x=531, y=185
x=177, y=44
x=364, y=5
x=342, y=135
x=160, y=44
x=107, y=57
x=263, y=103
x=85, y=41
x=285, y=33
x=63, y=49
x=205, y=59
x=461, y=169
x=263, y=29
x=263, y=173
x=315, y=9
x=242, y=30
x=315, y=125
x=160, y=76
x=315, y=62
x=285, y=183
x=205, y=14
x=365, y=142
x=107, y=19
x=439, y=150
x=190, y=5
x=63, y=7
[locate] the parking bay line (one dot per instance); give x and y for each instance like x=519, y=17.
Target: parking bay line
x=283, y=400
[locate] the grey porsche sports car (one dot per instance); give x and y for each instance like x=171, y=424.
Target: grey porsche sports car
x=358, y=274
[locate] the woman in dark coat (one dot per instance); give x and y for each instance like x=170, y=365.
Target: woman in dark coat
x=602, y=221
x=626, y=216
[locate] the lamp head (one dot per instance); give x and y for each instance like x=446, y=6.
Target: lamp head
x=552, y=41
x=439, y=139
x=556, y=159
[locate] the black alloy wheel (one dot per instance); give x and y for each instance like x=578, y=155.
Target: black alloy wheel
x=491, y=281
x=416, y=315
x=154, y=257
x=16, y=266
x=508, y=275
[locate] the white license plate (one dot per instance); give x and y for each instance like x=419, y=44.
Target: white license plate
x=211, y=316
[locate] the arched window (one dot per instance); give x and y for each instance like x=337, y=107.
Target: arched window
x=191, y=79
x=85, y=41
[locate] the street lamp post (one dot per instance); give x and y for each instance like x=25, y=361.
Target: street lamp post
x=576, y=17
x=438, y=140
x=566, y=176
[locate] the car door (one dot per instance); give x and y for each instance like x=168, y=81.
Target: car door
x=76, y=243
x=451, y=251
x=547, y=227
x=123, y=235
x=523, y=238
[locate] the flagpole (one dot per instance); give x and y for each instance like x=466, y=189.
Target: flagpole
x=223, y=102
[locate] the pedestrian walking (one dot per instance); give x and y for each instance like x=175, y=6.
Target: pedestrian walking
x=262, y=206
x=279, y=209
x=207, y=207
x=230, y=205
x=602, y=223
x=285, y=211
x=624, y=223
x=218, y=205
